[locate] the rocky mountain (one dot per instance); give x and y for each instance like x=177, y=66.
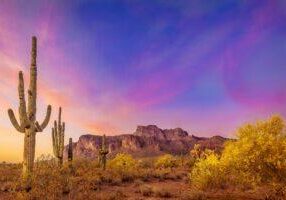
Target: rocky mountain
x=146, y=141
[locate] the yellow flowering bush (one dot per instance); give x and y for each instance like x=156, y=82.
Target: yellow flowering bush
x=207, y=172
x=259, y=153
x=166, y=161
x=257, y=156
x=122, y=161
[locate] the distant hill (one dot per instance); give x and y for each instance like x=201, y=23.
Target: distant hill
x=146, y=141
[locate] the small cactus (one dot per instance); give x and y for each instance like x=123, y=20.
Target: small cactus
x=196, y=152
x=58, y=135
x=27, y=114
x=103, y=151
x=70, y=151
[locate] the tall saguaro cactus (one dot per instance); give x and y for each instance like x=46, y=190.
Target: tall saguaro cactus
x=58, y=135
x=28, y=124
x=103, y=151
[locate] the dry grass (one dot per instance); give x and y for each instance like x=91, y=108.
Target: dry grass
x=86, y=181
x=162, y=193
x=146, y=190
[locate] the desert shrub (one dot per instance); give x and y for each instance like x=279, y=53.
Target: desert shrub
x=190, y=162
x=47, y=173
x=122, y=162
x=146, y=163
x=207, y=172
x=195, y=195
x=160, y=174
x=166, y=161
x=125, y=166
x=196, y=152
x=277, y=193
x=116, y=195
x=185, y=161
x=145, y=174
x=82, y=166
x=146, y=190
x=256, y=157
x=162, y=193
x=14, y=171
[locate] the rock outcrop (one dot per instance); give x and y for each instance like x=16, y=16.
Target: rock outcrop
x=146, y=141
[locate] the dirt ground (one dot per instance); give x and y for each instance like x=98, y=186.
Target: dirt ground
x=167, y=189
x=84, y=186
x=170, y=189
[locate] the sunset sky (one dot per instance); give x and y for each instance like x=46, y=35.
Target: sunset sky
x=205, y=66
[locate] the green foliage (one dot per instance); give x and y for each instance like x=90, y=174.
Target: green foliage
x=166, y=161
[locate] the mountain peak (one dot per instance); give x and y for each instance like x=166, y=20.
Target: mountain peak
x=147, y=140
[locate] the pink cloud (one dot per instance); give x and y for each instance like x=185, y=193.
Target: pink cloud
x=259, y=25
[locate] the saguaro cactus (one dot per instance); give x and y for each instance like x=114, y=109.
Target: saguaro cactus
x=28, y=124
x=70, y=151
x=58, y=135
x=103, y=151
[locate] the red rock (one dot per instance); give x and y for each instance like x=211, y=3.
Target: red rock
x=146, y=141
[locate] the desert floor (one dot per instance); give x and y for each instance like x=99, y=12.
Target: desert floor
x=88, y=182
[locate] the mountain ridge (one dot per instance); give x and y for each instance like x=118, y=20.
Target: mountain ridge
x=146, y=141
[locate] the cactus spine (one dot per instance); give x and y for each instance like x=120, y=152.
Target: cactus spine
x=58, y=135
x=103, y=151
x=70, y=151
x=28, y=124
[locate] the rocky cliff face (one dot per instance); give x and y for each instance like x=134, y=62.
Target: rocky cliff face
x=146, y=141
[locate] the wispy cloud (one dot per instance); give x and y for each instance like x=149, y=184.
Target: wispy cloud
x=145, y=63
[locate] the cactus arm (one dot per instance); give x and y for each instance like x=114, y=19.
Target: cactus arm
x=60, y=119
x=33, y=82
x=22, y=108
x=34, y=52
x=62, y=138
x=56, y=136
x=64, y=127
x=47, y=118
x=55, y=128
x=61, y=146
x=54, y=141
x=38, y=127
x=70, y=150
x=15, y=122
